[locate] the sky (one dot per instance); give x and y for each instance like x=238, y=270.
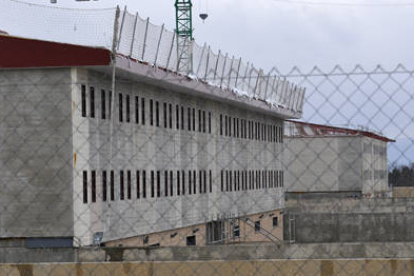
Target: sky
x=288, y=33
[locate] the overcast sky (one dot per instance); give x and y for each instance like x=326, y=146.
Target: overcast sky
x=272, y=33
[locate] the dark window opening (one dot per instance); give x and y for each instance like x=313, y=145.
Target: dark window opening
x=183, y=182
x=165, y=183
x=112, y=186
x=165, y=116
x=83, y=99
x=211, y=182
x=151, y=112
x=170, y=111
x=257, y=226
x=195, y=182
x=92, y=98
x=178, y=183
x=209, y=122
x=157, y=113
x=200, y=127
x=189, y=118
x=177, y=117
x=189, y=183
x=171, y=184
x=191, y=241
x=110, y=105
x=194, y=122
x=85, y=187
x=144, y=184
x=104, y=186
x=120, y=107
x=93, y=186
x=143, y=111
x=152, y=184
x=103, y=105
x=182, y=118
x=136, y=110
x=121, y=181
x=138, y=185
x=128, y=109
x=158, y=184
x=129, y=185
x=275, y=222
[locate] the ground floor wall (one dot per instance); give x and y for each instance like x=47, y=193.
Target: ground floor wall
x=261, y=227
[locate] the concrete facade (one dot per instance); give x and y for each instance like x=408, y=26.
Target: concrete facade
x=330, y=220
x=62, y=144
x=166, y=151
x=335, y=160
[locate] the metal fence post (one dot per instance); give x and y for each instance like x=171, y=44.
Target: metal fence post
x=217, y=62
x=267, y=87
x=245, y=75
x=171, y=50
x=122, y=26
x=257, y=83
x=207, y=63
x=237, y=74
x=158, y=46
x=201, y=59
x=231, y=71
x=222, y=71
x=145, y=40
x=133, y=36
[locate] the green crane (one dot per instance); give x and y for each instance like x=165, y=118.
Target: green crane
x=184, y=29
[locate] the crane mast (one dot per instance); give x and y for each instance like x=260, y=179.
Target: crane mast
x=184, y=29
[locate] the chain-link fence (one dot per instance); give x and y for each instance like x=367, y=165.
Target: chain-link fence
x=136, y=170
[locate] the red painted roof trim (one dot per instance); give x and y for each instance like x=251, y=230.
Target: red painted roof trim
x=18, y=52
x=352, y=132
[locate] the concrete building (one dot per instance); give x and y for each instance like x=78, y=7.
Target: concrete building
x=322, y=159
x=159, y=153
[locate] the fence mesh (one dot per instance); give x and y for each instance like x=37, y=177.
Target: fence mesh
x=152, y=179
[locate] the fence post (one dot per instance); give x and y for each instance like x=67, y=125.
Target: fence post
x=245, y=75
x=207, y=63
x=217, y=62
x=237, y=74
x=274, y=90
x=267, y=87
x=171, y=49
x=122, y=26
x=158, y=46
x=257, y=82
x=145, y=40
x=222, y=71
x=231, y=71
x=201, y=58
x=133, y=36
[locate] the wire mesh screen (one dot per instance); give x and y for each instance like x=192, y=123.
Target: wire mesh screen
x=108, y=172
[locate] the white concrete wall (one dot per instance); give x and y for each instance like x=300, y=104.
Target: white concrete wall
x=105, y=145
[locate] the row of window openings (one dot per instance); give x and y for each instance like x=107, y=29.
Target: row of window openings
x=204, y=118
x=162, y=184
x=250, y=180
x=246, y=129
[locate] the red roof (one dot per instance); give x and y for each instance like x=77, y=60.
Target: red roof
x=18, y=52
x=303, y=129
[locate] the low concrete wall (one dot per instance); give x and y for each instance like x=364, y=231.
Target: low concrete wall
x=403, y=192
x=380, y=267
x=268, y=251
x=349, y=220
